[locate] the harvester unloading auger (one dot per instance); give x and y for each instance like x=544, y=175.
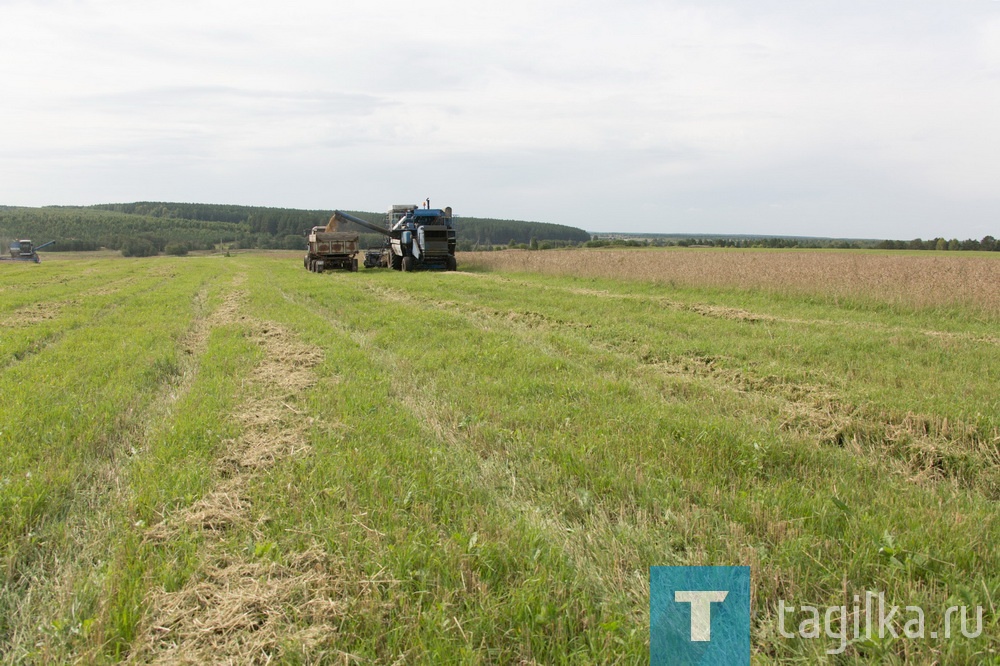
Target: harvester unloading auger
x=415, y=238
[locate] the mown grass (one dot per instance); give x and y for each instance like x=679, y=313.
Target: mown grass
x=73, y=416
x=484, y=466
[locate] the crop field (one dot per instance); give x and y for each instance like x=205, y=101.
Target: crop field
x=232, y=460
x=912, y=279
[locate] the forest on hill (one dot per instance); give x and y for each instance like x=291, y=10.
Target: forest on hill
x=203, y=226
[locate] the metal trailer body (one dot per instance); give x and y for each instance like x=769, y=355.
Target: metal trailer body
x=331, y=250
x=415, y=238
x=25, y=250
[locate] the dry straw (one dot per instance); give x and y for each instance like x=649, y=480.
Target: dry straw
x=235, y=609
x=900, y=279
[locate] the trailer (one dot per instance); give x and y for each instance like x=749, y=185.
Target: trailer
x=331, y=250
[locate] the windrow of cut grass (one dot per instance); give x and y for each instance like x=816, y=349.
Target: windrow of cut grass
x=528, y=417
x=481, y=468
x=942, y=280
x=74, y=414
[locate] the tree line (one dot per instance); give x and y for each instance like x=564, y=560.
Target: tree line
x=80, y=229
x=150, y=227
x=743, y=242
x=986, y=244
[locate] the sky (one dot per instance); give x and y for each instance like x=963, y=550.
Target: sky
x=843, y=118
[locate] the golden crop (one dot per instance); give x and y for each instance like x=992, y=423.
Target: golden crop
x=905, y=279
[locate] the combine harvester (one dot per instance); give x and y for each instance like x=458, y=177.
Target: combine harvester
x=25, y=250
x=415, y=238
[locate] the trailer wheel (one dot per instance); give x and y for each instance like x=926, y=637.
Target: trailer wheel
x=354, y=265
x=320, y=266
x=407, y=264
x=450, y=263
x=305, y=262
x=395, y=262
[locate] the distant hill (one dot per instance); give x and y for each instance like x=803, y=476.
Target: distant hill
x=92, y=228
x=204, y=225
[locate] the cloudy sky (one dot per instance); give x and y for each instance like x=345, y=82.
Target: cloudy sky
x=847, y=118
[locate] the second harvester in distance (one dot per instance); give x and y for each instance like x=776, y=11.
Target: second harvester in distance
x=25, y=250
x=415, y=238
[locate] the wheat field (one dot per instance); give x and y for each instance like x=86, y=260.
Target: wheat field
x=911, y=279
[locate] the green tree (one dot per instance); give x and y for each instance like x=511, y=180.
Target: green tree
x=138, y=247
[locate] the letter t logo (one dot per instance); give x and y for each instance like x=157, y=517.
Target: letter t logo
x=701, y=611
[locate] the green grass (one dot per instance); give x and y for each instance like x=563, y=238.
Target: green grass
x=474, y=468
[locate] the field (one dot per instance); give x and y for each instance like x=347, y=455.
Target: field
x=230, y=459
x=970, y=280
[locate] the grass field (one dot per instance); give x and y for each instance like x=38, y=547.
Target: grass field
x=230, y=459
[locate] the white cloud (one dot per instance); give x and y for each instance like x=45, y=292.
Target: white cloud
x=808, y=118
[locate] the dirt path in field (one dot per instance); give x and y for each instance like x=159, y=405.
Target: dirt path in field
x=238, y=607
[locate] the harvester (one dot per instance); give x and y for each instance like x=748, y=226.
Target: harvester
x=415, y=238
x=330, y=248
x=25, y=250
